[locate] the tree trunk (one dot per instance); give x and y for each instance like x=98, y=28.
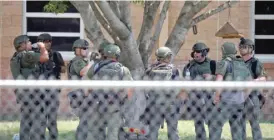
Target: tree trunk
x=131, y=57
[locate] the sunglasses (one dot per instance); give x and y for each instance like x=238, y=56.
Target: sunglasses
x=84, y=48
x=198, y=51
x=243, y=46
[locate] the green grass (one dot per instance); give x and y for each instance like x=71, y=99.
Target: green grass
x=186, y=130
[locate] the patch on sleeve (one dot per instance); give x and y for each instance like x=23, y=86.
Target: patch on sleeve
x=220, y=65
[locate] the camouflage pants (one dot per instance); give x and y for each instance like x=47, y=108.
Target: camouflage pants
x=155, y=115
x=226, y=112
x=52, y=106
x=197, y=105
x=252, y=114
x=104, y=126
x=32, y=123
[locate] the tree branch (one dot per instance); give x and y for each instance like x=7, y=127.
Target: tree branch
x=92, y=28
x=158, y=27
x=103, y=21
x=114, y=5
x=150, y=11
x=183, y=23
x=116, y=25
x=200, y=6
x=125, y=10
x=213, y=11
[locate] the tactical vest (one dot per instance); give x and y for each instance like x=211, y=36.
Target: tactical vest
x=70, y=71
x=193, y=68
x=109, y=100
x=236, y=70
x=20, y=68
x=108, y=70
x=162, y=72
x=47, y=68
x=162, y=97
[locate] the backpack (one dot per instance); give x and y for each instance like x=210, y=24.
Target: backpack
x=68, y=69
x=162, y=71
x=237, y=70
x=108, y=68
x=15, y=64
x=253, y=68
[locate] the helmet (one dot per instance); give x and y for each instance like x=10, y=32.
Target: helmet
x=229, y=48
x=80, y=43
x=247, y=42
x=112, y=51
x=19, y=39
x=163, y=52
x=199, y=47
x=44, y=36
x=102, y=46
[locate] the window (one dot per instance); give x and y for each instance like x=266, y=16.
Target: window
x=262, y=19
x=64, y=28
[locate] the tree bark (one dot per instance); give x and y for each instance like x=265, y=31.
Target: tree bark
x=158, y=28
x=92, y=28
x=130, y=55
x=114, y=22
x=125, y=9
x=213, y=12
x=115, y=8
x=145, y=34
x=183, y=23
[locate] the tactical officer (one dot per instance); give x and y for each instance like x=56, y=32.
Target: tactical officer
x=162, y=104
x=255, y=99
x=25, y=63
x=51, y=69
x=200, y=68
x=229, y=104
x=107, y=107
x=77, y=68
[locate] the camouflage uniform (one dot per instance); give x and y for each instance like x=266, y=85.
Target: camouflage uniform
x=231, y=101
x=253, y=103
x=77, y=97
x=162, y=104
x=107, y=104
x=51, y=69
x=199, y=104
x=25, y=63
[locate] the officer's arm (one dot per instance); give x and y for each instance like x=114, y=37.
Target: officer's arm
x=90, y=72
x=260, y=71
x=220, y=73
x=183, y=94
x=81, y=67
x=61, y=62
x=44, y=57
x=127, y=76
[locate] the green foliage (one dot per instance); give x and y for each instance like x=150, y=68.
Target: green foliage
x=140, y=2
x=56, y=6
x=61, y=6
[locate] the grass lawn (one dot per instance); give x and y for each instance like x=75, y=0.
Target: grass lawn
x=186, y=130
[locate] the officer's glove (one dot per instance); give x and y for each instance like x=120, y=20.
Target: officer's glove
x=93, y=56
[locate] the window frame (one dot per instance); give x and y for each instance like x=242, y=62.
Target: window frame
x=67, y=55
x=265, y=58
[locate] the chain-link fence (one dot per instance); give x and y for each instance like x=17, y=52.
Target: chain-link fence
x=132, y=110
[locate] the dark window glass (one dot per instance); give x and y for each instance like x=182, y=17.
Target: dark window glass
x=59, y=43
x=38, y=6
x=53, y=25
x=264, y=46
x=264, y=7
x=264, y=27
